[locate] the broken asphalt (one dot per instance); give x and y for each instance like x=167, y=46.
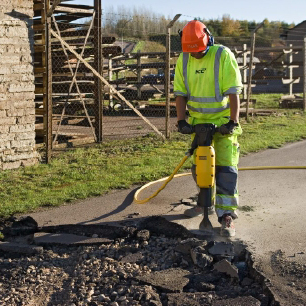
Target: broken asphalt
x=271, y=215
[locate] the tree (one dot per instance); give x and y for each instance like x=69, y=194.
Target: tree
x=230, y=27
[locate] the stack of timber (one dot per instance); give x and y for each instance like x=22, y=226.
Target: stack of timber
x=291, y=101
x=64, y=87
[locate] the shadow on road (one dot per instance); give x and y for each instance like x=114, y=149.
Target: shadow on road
x=127, y=201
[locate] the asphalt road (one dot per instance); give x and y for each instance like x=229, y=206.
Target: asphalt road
x=272, y=218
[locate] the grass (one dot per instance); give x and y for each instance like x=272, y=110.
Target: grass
x=270, y=101
x=93, y=171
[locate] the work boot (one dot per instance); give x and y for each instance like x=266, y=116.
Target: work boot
x=227, y=226
x=198, y=211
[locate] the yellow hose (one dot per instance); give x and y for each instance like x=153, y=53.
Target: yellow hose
x=168, y=179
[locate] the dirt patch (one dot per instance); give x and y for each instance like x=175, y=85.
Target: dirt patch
x=289, y=272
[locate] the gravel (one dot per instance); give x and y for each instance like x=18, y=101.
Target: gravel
x=118, y=273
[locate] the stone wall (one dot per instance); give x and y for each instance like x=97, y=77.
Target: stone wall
x=17, y=109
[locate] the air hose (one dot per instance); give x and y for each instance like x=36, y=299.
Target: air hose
x=174, y=175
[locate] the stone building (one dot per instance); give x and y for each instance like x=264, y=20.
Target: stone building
x=17, y=90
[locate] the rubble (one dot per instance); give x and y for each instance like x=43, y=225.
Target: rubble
x=226, y=267
x=169, y=280
x=136, y=267
x=200, y=258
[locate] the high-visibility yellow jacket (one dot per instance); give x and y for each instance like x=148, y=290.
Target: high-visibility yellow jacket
x=207, y=82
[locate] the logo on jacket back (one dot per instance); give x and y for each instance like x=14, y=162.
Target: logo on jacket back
x=200, y=70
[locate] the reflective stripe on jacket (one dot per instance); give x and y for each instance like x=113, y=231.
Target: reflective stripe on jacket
x=207, y=82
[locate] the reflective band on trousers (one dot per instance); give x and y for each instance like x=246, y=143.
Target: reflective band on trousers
x=217, y=98
x=226, y=201
x=226, y=207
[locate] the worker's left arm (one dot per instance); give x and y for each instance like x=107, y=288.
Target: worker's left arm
x=231, y=87
x=231, y=84
x=234, y=107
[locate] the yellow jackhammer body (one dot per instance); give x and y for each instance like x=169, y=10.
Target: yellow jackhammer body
x=205, y=168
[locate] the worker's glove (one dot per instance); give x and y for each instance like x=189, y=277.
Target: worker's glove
x=184, y=127
x=228, y=128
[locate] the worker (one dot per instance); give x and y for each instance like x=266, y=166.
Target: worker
x=208, y=82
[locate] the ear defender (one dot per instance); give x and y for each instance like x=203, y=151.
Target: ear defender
x=211, y=40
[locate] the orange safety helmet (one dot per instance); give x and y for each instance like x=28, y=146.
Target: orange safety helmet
x=195, y=37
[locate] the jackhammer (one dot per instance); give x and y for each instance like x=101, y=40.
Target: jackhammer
x=205, y=168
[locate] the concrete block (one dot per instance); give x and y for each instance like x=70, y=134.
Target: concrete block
x=24, y=150
x=170, y=280
x=26, y=120
x=225, y=266
x=5, y=144
x=13, y=112
x=3, y=87
x=4, y=69
x=25, y=136
x=11, y=165
x=7, y=78
x=4, y=104
x=186, y=245
x=21, y=87
x=10, y=59
x=29, y=111
x=222, y=248
x=17, y=157
x=5, y=129
x=29, y=162
x=2, y=31
x=6, y=136
x=26, y=58
x=27, y=77
x=132, y=258
x=22, y=68
x=200, y=257
x=8, y=121
x=22, y=143
x=11, y=41
x=18, y=32
x=25, y=128
x=23, y=104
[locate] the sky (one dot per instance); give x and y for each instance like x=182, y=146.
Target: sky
x=290, y=11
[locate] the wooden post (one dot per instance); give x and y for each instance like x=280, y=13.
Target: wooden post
x=98, y=64
x=47, y=81
x=110, y=77
x=244, y=73
x=167, y=82
x=53, y=7
x=167, y=73
x=304, y=74
x=138, y=76
x=250, y=70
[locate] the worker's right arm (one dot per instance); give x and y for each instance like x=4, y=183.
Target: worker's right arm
x=179, y=90
x=180, y=102
x=181, y=99
x=183, y=126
